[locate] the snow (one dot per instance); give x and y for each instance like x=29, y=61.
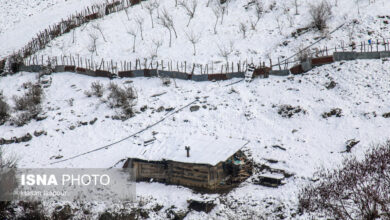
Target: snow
x=21, y=20
x=203, y=149
x=242, y=111
x=267, y=41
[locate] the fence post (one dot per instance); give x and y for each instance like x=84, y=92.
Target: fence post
x=377, y=43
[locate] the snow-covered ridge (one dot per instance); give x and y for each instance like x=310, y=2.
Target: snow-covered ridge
x=270, y=39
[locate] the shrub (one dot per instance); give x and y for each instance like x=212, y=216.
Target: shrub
x=124, y=98
x=97, y=89
x=4, y=109
x=337, y=112
x=287, y=111
x=358, y=190
x=32, y=97
x=29, y=104
x=320, y=14
x=7, y=180
x=26, y=116
x=303, y=55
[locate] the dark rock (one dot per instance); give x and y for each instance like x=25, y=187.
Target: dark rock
x=72, y=127
x=200, y=206
x=62, y=213
x=169, y=109
x=24, y=138
x=5, y=141
x=38, y=133
x=331, y=85
x=268, y=181
x=122, y=216
x=386, y=115
x=350, y=144
x=194, y=108
x=176, y=215
x=279, y=147
x=160, y=109
x=157, y=208
x=271, y=161
x=93, y=121
x=333, y=112
x=40, y=117
x=143, y=108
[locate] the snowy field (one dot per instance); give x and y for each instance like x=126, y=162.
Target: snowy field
x=300, y=145
x=242, y=111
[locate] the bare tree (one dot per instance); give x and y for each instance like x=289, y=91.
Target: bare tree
x=99, y=28
x=93, y=45
x=217, y=15
x=127, y=13
x=225, y=51
x=360, y=189
x=290, y=18
x=169, y=19
x=243, y=29
x=226, y=5
x=253, y=24
x=296, y=7
x=190, y=9
x=133, y=33
x=320, y=14
x=165, y=23
x=194, y=39
x=222, y=10
x=140, y=22
x=219, y=9
x=259, y=10
x=151, y=6
x=157, y=6
x=157, y=43
x=280, y=25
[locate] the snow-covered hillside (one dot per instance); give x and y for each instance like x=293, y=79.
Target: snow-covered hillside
x=259, y=112
x=271, y=38
x=242, y=111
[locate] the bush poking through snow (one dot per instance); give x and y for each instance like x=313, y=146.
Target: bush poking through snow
x=358, y=190
x=29, y=104
x=320, y=14
x=333, y=112
x=7, y=179
x=32, y=97
x=287, y=111
x=124, y=98
x=97, y=89
x=4, y=109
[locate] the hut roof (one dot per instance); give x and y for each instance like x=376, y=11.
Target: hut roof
x=203, y=149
